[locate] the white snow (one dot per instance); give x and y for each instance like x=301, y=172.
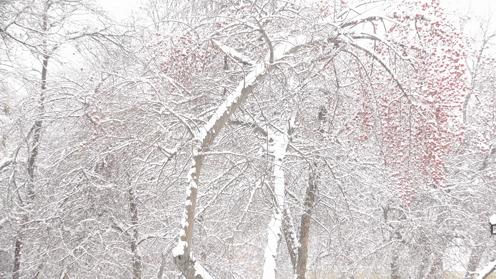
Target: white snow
x=486, y=270
x=200, y=271
x=234, y=53
x=294, y=239
x=5, y=162
x=492, y=219
x=179, y=249
x=232, y=99
x=3, y=221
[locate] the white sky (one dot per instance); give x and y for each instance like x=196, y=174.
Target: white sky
x=121, y=9
x=483, y=8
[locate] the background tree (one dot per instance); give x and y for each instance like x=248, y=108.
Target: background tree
x=346, y=133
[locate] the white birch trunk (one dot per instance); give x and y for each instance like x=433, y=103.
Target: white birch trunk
x=274, y=231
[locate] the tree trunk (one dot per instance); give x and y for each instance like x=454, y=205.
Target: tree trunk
x=395, y=265
x=395, y=235
x=136, y=260
x=280, y=142
x=437, y=268
x=33, y=153
x=309, y=204
x=17, y=257
x=424, y=265
x=425, y=252
x=474, y=261
x=288, y=231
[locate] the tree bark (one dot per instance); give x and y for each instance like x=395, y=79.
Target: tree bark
x=280, y=141
x=395, y=265
x=304, y=235
x=288, y=231
x=437, y=268
x=33, y=152
x=17, y=256
x=425, y=250
x=474, y=261
x=395, y=235
x=136, y=258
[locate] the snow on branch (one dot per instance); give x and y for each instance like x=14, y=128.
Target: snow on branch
x=3, y=221
x=5, y=163
x=267, y=41
x=369, y=19
x=236, y=55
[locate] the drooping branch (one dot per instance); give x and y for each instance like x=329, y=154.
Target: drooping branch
x=267, y=41
x=384, y=66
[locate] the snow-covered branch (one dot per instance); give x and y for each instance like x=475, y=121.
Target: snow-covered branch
x=5, y=163
x=3, y=221
x=236, y=55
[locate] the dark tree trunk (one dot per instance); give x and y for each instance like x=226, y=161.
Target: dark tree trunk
x=474, y=261
x=304, y=235
x=33, y=152
x=136, y=261
x=17, y=257
x=437, y=268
